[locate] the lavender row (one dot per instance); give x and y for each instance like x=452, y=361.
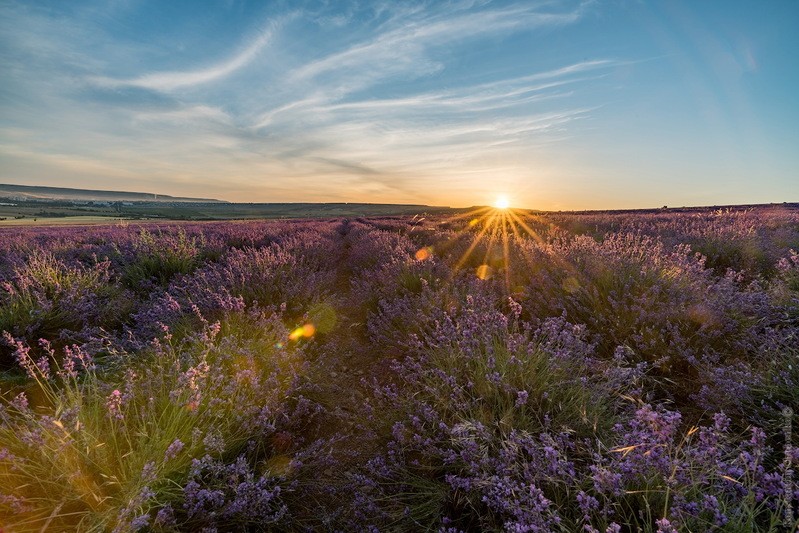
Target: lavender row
x=486, y=372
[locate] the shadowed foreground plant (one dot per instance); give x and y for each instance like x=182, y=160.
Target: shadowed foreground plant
x=157, y=258
x=51, y=298
x=482, y=431
x=105, y=450
x=699, y=478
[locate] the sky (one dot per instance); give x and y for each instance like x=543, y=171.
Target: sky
x=557, y=105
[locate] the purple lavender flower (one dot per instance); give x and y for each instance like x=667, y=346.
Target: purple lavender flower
x=173, y=450
x=113, y=405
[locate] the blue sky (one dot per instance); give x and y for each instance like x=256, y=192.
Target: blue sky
x=556, y=104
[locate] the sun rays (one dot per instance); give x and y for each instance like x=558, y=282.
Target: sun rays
x=491, y=232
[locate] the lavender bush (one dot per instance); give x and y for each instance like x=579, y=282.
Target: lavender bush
x=598, y=372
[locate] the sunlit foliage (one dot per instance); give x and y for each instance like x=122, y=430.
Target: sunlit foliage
x=498, y=370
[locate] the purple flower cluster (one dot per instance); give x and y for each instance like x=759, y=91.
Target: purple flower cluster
x=584, y=372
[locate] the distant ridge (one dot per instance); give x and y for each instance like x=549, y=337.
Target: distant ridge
x=34, y=192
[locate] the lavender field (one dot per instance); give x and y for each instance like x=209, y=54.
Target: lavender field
x=498, y=371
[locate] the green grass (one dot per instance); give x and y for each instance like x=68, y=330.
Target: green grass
x=552, y=391
x=40, y=299
x=76, y=463
x=161, y=261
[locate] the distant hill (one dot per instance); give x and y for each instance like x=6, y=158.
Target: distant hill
x=32, y=192
x=23, y=204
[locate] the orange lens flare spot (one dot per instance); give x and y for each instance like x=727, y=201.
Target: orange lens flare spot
x=474, y=222
x=306, y=331
x=484, y=271
x=424, y=253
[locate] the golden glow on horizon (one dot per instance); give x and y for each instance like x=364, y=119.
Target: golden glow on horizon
x=502, y=202
x=491, y=230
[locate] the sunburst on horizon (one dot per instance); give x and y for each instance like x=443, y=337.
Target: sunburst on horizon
x=495, y=226
x=502, y=202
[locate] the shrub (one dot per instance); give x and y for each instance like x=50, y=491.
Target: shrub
x=107, y=449
x=157, y=258
x=49, y=298
x=479, y=423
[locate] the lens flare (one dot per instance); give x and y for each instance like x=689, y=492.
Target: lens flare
x=490, y=231
x=484, y=271
x=306, y=331
x=424, y=253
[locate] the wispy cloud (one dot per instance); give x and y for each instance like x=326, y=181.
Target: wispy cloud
x=169, y=81
x=403, y=43
x=357, y=105
x=196, y=113
x=427, y=132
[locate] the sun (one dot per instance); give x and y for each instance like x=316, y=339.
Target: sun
x=502, y=202
x=494, y=226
